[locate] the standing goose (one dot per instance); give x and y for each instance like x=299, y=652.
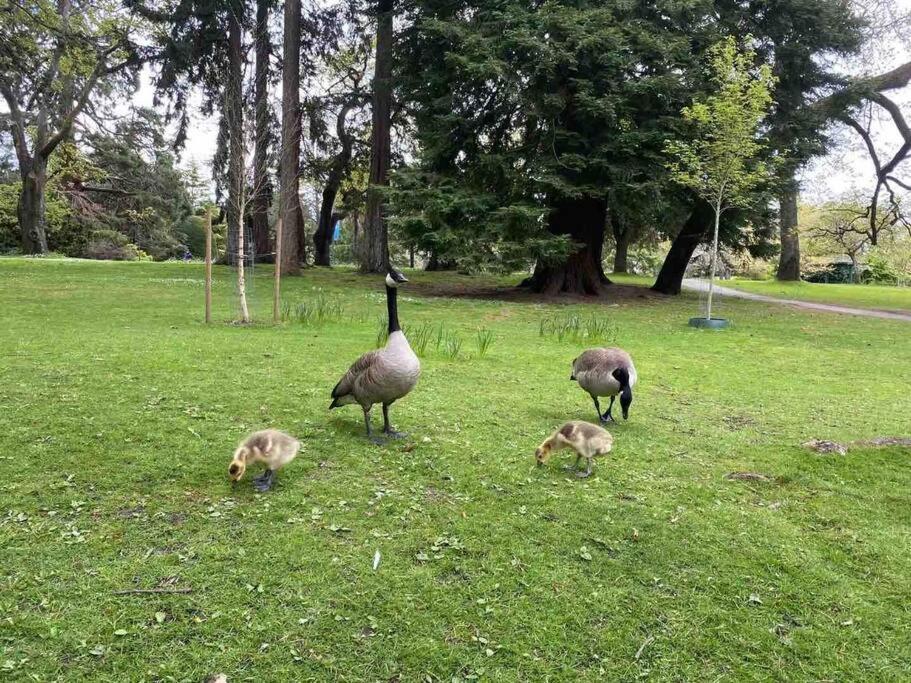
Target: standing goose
x=606, y=372
x=384, y=375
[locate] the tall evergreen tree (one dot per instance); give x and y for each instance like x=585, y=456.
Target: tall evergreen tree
x=528, y=114
x=262, y=134
x=374, y=247
x=293, y=249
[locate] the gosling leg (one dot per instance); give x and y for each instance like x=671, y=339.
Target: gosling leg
x=575, y=465
x=587, y=472
x=607, y=417
x=264, y=482
x=387, y=428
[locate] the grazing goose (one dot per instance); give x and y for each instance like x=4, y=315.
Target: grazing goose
x=384, y=375
x=606, y=372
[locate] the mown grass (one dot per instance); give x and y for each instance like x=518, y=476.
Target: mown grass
x=863, y=296
x=120, y=411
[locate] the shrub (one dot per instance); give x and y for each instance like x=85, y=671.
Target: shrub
x=890, y=262
x=110, y=245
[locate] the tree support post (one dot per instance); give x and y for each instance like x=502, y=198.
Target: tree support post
x=208, y=265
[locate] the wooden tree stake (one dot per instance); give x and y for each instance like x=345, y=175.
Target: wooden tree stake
x=208, y=265
x=276, y=292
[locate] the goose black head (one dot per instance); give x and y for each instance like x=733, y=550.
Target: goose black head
x=626, y=391
x=395, y=277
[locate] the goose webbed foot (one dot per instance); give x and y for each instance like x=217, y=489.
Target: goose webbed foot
x=264, y=482
x=387, y=428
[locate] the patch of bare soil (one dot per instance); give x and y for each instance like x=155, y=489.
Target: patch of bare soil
x=884, y=441
x=825, y=447
x=748, y=476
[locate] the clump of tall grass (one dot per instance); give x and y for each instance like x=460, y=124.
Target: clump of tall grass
x=452, y=345
x=577, y=328
x=427, y=336
x=484, y=341
x=420, y=337
x=316, y=311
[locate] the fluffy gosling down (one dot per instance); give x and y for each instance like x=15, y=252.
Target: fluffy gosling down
x=271, y=447
x=587, y=440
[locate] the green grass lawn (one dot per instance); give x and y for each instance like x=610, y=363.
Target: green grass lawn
x=862, y=296
x=121, y=410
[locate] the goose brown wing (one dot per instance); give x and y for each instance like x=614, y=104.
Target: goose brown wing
x=602, y=359
x=362, y=365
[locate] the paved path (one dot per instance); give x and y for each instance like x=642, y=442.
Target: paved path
x=695, y=285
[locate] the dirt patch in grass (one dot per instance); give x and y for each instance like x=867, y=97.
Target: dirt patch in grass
x=824, y=447
x=469, y=289
x=749, y=476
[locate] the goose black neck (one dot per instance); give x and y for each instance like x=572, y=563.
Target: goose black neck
x=393, y=308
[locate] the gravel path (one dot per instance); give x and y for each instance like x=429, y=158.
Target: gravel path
x=695, y=285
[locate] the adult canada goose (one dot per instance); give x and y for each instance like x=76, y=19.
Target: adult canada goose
x=606, y=372
x=384, y=375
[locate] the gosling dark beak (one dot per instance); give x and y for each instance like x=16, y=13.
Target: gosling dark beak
x=572, y=378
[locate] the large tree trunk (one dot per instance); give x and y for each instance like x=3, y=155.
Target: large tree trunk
x=670, y=278
x=234, y=109
x=293, y=250
x=621, y=243
x=355, y=231
x=582, y=220
x=789, y=261
x=262, y=191
x=31, y=207
x=322, y=238
x=374, y=251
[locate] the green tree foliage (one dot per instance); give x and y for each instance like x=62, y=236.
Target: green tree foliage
x=124, y=182
x=144, y=195
x=529, y=115
x=56, y=57
x=723, y=162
